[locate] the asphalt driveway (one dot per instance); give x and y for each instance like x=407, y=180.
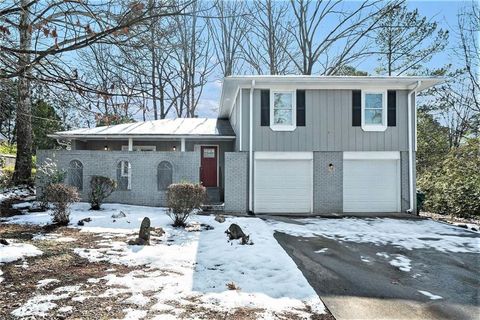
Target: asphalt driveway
x=416, y=276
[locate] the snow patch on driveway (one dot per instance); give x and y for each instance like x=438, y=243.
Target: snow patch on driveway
x=402, y=263
x=408, y=234
x=430, y=295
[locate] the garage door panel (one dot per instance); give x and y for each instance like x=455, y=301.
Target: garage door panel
x=371, y=186
x=282, y=186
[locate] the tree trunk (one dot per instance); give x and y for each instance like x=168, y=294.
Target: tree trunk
x=23, y=164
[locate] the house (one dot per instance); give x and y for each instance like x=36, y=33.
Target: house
x=280, y=144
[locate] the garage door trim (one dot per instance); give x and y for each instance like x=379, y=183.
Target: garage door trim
x=283, y=156
x=371, y=155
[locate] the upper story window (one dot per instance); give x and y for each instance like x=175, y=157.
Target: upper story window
x=374, y=110
x=75, y=174
x=283, y=110
x=124, y=175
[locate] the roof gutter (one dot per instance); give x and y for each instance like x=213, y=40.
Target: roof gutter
x=146, y=136
x=411, y=183
x=250, y=150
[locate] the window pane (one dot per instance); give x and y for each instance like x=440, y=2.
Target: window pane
x=165, y=173
x=373, y=116
x=282, y=117
x=209, y=152
x=373, y=101
x=124, y=175
x=282, y=101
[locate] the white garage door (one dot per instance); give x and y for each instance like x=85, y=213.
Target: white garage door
x=283, y=182
x=371, y=185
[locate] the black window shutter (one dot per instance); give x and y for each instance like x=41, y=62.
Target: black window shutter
x=392, y=108
x=265, y=107
x=356, y=108
x=300, y=108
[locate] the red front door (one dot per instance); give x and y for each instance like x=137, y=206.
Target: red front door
x=208, y=172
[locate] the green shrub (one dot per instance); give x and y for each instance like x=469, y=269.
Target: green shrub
x=101, y=188
x=6, y=174
x=61, y=196
x=6, y=148
x=453, y=186
x=182, y=199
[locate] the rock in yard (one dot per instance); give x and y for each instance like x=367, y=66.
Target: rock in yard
x=220, y=218
x=82, y=221
x=4, y=242
x=143, y=235
x=121, y=214
x=157, y=231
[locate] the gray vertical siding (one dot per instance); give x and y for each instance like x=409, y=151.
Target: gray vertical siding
x=328, y=126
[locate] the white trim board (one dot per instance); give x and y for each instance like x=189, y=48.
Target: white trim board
x=267, y=155
x=371, y=155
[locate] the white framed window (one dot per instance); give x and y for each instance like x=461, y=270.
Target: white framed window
x=374, y=110
x=124, y=175
x=283, y=111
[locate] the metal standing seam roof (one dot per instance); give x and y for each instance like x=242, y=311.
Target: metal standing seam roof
x=186, y=127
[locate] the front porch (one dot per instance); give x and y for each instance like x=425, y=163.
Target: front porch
x=143, y=168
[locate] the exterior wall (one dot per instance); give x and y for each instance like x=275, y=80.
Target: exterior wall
x=328, y=126
x=144, y=190
x=235, y=120
x=236, y=188
x=164, y=145
x=7, y=160
x=327, y=184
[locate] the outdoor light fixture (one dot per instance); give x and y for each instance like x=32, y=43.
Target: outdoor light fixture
x=105, y=148
x=174, y=148
x=331, y=168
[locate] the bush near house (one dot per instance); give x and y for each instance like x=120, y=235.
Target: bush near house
x=61, y=196
x=101, y=187
x=49, y=173
x=453, y=185
x=182, y=199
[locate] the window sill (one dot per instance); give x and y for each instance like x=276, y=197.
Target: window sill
x=374, y=127
x=282, y=128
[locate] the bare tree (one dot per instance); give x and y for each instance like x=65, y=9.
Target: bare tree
x=192, y=58
x=268, y=40
x=227, y=29
x=469, y=50
x=326, y=50
x=35, y=37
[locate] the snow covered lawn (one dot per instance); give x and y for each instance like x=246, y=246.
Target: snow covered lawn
x=195, y=273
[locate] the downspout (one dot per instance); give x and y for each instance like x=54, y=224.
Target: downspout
x=410, y=147
x=250, y=150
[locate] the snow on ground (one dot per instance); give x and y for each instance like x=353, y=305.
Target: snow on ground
x=430, y=295
x=185, y=266
x=15, y=251
x=408, y=234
